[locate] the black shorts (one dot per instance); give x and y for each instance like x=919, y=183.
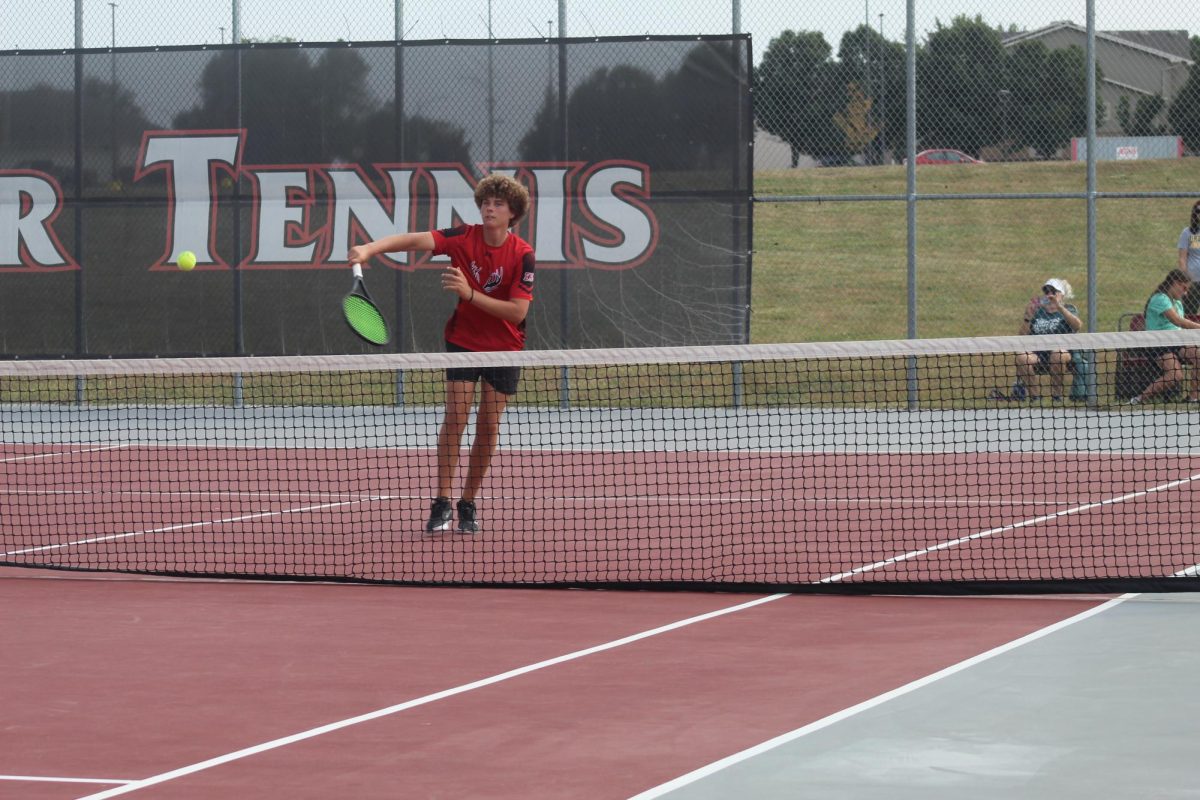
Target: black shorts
x=503, y=379
x=1042, y=366
x=1156, y=353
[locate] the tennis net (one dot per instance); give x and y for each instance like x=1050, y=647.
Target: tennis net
x=924, y=465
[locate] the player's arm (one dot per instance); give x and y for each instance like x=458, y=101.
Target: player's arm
x=396, y=243
x=1176, y=318
x=1030, y=310
x=1071, y=317
x=513, y=310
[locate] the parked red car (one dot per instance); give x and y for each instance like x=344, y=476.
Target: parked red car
x=945, y=157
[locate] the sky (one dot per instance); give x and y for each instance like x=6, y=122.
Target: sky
x=50, y=24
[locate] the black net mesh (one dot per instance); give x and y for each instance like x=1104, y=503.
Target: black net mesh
x=881, y=466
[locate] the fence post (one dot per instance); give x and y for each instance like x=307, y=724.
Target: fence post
x=80, y=333
x=910, y=44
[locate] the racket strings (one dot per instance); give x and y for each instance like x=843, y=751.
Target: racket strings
x=365, y=319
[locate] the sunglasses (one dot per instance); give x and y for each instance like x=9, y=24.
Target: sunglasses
x=1049, y=290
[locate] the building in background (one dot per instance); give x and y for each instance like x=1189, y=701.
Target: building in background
x=1132, y=64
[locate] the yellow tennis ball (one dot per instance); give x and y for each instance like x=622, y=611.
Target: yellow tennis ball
x=186, y=260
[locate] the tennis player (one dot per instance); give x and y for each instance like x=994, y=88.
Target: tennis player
x=491, y=272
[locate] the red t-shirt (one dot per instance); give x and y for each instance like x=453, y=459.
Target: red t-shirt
x=504, y=272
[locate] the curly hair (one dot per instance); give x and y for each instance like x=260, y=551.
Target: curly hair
x=506, y=189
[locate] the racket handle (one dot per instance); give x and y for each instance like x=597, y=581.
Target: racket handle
x=358, y=271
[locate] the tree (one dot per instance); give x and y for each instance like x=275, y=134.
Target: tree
x=855, y=120
x=877, y=66
x=797, y=92
x=602, y=110
x=1183, y=116
x=542, y=140
x=39, y=121
x=304, y=106
x=1139, y=121
x=959, y=76
x=299, y=105
x=683, y=121
x=1049, y=97
x=699, y=101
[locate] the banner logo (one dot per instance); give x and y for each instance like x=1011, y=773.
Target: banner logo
x=306, y=216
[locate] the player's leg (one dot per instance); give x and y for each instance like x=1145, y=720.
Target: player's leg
x=497, y=386
x=1192, y=356
x=1172, y=374
x=487, y=436
x=1026, y=362
x=460, y=394
x=1060, y=360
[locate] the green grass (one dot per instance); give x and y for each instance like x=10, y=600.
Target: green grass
x=947, y=382
x=838, y=270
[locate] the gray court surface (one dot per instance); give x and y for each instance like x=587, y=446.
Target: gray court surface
x=1030, y=429
x=1108, y=707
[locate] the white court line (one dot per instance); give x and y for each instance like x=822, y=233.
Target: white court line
x=183, y=526
x=44, y=779
x=201, y=493
x=420, y=701
x=60, y=453
x=1162, y=487
x=846, y=713
x=334, y=726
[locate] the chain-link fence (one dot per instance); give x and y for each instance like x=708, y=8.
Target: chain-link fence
x=854, y=250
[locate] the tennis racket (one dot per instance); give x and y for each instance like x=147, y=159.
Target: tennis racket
x=362, y=315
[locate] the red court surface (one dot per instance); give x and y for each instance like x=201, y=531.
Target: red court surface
x=120, y=679
x=606, y=516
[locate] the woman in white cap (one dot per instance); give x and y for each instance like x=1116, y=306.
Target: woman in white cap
x=1046, y=315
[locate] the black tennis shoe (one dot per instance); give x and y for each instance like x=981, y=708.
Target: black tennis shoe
x=440, y=515
x=466, y=517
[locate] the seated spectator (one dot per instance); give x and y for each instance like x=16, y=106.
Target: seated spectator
x=1048, y=314
x=1189, y=260
x=1164, y=312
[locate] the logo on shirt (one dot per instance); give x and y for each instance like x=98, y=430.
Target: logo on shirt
x=527, y=279
x=493, y=280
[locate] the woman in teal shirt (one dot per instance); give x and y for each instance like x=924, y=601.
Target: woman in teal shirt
x=1164, y=312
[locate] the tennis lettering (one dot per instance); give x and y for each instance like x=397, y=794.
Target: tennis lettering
x=583, y=216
